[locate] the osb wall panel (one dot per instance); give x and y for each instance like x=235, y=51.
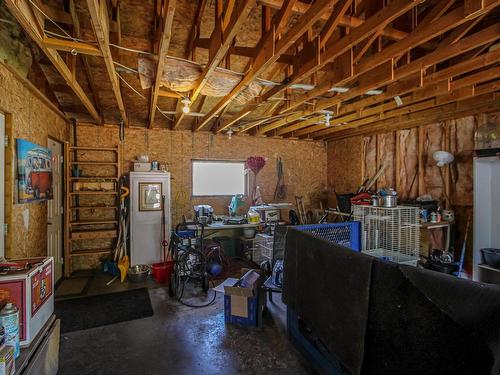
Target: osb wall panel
x=344, y=166
x=305, y=163
x=27, y=118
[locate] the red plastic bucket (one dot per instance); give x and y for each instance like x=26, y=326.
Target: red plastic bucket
x=161, y=271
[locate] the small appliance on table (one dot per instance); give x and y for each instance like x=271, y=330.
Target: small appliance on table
x=31, y=289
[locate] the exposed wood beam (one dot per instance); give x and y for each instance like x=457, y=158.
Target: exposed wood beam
x=269, y=52
x=69, y=46
x=416, y=101
x=346, y=21
x=86, y=64
x=441, y=54
x=21, y=10
x=222, y=39
x=100, y=23
x=447, y=22
x=488, y=102
x=166, y=21
x=399, y=88
x=194, y=39
x=424, y=34
x=305, y=65
x=333, y=21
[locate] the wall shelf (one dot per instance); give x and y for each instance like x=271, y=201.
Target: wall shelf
x=486, y=267
x=88, y=216
x=84, y=252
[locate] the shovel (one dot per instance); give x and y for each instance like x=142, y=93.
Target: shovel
x=123, y=266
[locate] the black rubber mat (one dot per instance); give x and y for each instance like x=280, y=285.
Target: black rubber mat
x=90, y=312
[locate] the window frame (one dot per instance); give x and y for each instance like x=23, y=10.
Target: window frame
x=236, y=161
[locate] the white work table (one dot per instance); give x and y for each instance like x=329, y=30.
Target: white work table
x=220, y=226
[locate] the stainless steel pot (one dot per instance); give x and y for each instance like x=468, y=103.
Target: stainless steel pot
x=389, y=201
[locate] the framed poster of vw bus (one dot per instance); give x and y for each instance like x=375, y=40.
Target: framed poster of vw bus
x=34, y=172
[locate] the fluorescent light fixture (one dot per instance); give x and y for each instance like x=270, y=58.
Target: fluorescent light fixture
x=374, y=92
x=398, y=100
x=302, y=86
x=339, y=89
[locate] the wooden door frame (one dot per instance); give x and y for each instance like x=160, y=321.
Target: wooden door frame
x=63, y=197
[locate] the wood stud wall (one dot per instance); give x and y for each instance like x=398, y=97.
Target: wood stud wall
x=411, y=169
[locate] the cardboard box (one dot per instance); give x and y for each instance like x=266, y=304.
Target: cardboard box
x=241, y=299
x=7, y=362
x=142, y=167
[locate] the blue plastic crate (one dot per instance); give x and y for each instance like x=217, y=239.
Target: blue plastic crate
x=347, y=234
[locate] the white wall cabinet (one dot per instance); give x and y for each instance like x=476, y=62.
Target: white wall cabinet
x=145, y=216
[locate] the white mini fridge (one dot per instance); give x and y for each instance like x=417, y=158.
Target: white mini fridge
x=146, y=191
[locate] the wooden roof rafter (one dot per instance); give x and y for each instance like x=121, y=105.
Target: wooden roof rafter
x=99, y=18
x=86, y=65
x=451, y=20
x=228, y=22
x=420, y=87
x=480, y=103
x=426, y=97
x=307, y=64
x=271, y=48
x=165, y=14
x=25, y=15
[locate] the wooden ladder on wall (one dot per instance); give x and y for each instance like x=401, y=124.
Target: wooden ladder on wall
x=91, y=202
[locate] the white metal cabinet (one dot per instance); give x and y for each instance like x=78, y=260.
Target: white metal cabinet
x=486, y=215
x=145, y=222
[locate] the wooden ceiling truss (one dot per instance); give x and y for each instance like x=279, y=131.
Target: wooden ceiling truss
x=439, y=58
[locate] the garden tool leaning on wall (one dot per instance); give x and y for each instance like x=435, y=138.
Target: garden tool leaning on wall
x=121, y=253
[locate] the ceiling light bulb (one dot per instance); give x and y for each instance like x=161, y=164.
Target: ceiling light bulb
x=327, y=119
x=229, y=133
x=187, y=103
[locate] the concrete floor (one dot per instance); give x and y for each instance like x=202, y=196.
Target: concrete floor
x=180, y=340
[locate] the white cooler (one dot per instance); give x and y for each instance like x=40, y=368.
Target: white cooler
x=32, y=291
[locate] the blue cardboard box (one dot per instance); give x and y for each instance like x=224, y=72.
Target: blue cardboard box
x=241, y=302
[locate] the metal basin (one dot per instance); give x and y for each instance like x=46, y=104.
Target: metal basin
x=138, y=273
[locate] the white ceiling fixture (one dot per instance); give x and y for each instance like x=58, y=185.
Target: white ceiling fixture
x=398, y=100
x=327, y=119
x=229, y=133
x=193, y=114
x=443, y=158
x=339, y=89
x=302, y=86
x=374, y=92
x=187, y=102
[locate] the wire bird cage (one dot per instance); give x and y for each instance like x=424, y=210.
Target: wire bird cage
x=263, y=248
x=346, y=234
x=390, y=233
